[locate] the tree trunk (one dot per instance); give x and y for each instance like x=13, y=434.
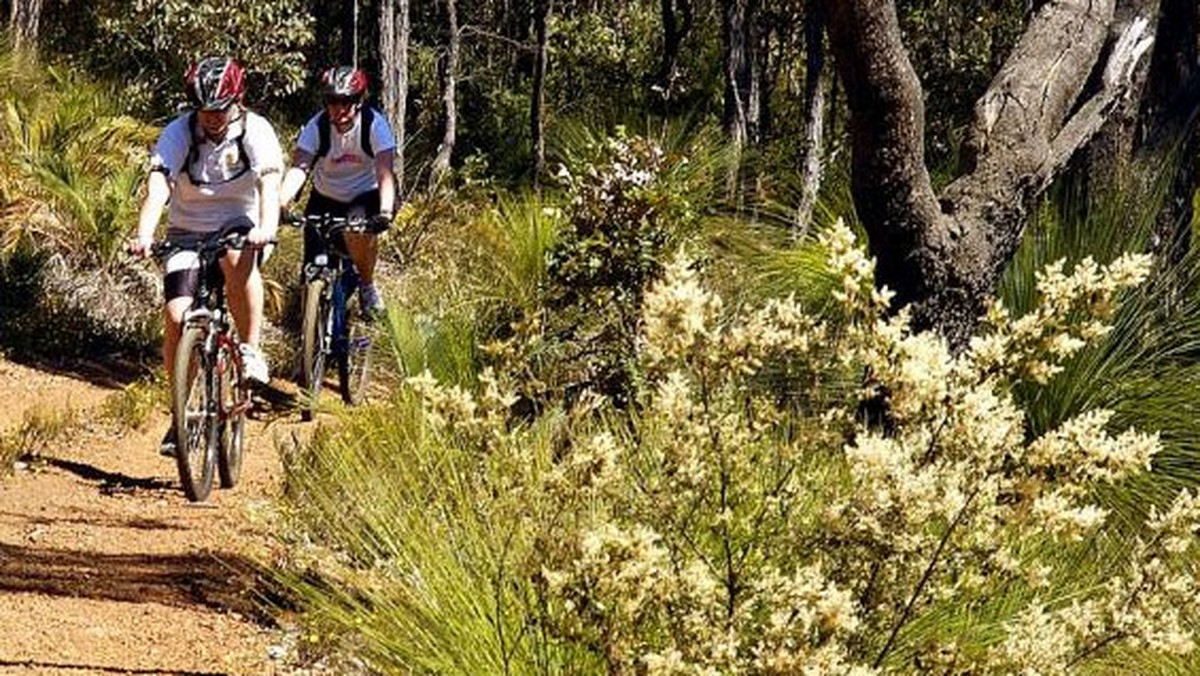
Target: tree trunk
x=349, y=45
x=393, y=69
x=737, y=83
x=537, y=100
x=943, y=253
x=677, y=23
x=441, y=163
x=24, y=17
x=1169, y=110
x=816, y=92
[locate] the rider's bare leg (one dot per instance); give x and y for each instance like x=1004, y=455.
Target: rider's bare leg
x=172, y=320
x=363, y=249
x=244, y=290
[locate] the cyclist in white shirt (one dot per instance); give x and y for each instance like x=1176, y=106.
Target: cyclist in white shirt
x=349, y=147
x=219, y=168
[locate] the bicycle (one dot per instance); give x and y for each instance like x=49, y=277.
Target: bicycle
x=329, y=329
x=210, y=398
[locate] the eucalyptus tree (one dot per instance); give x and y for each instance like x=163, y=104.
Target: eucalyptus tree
x=942, y=252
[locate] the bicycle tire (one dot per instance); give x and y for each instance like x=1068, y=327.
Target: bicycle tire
x=312, y=354
x=192, y=408
x=232, y=410
x=354, y=360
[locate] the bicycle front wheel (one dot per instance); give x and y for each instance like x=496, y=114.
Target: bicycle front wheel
x=194, y=408
x=233, y=402
x=314, y=341
x=354, y=361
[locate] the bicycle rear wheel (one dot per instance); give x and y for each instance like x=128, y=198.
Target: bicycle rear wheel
x=233, y=403
x=314, y=339
x=354, y=360
x=194, y=412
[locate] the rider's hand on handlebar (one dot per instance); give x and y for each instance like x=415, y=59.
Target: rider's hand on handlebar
x=380, y=222
x=259, y=237
x=140, y=246
x=289, y=217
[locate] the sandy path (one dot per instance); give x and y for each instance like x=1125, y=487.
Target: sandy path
x=104, y=566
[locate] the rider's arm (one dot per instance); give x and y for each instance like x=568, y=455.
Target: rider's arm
x=293, y=180
x=387, y=181
x=158, y=191
x=268, y=215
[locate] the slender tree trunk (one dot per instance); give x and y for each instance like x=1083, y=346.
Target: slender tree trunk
x=24, y=18
x=677, y=23
x=441, y=163
x=816, y=92
x=541, y=10
x=737, y=81
x=393, y=68
x=349, y=31
x=1169, y=111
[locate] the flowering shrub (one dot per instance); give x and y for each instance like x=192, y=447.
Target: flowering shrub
x=717, y=527
x=625, y=210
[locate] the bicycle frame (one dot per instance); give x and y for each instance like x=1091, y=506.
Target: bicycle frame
x=341, y=277
x=210, y=313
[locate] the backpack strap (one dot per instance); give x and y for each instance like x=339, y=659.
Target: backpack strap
x=322, y=136
x=323, y=132
x=368, y=118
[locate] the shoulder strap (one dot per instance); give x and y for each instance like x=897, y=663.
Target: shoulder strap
x=368, y=118
x=322, y=136
x=194, y=151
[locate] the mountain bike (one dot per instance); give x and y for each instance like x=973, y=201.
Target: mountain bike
x=210, y=398
x=333, y=328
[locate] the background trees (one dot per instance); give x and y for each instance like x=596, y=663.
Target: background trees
x=946, y=171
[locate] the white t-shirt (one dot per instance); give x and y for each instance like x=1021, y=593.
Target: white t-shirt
x=346, y=171
x=219, y=186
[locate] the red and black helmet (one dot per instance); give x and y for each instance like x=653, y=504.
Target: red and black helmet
x=344, y=82
x=215, y=83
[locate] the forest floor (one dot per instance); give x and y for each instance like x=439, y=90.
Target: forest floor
x=105, y=568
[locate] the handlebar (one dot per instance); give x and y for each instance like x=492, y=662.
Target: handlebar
x=232, y=240
x=330, y=223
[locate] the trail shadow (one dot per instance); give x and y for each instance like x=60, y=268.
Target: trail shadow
x=95, y=668
x=110, y=482
x=227, y=582
x=93, y=518
x=108, y=371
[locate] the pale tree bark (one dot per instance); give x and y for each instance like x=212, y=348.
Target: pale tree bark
x=738, y=82
x=943, y=253
x=816, y=92
x=541, y=10
x=24, y=19
x=441, y=163
x=393, y=66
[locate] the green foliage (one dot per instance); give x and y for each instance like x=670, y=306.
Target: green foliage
x=70, y=169
x=145, y=47
x=426, y=573
x=39, y=428
x=133, y=406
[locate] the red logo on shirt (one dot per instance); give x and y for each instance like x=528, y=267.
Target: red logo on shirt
x=347, y=158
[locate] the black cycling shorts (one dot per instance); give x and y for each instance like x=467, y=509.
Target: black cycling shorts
x=365, y=205
x=181, y=269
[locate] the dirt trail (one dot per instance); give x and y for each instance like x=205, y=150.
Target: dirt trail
x=104, y=566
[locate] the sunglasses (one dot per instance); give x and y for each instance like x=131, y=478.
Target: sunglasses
x=340, y=100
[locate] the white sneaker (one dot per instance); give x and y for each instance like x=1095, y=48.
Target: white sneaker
x=254, y=367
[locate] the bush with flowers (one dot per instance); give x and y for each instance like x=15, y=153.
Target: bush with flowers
x=716, y=527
